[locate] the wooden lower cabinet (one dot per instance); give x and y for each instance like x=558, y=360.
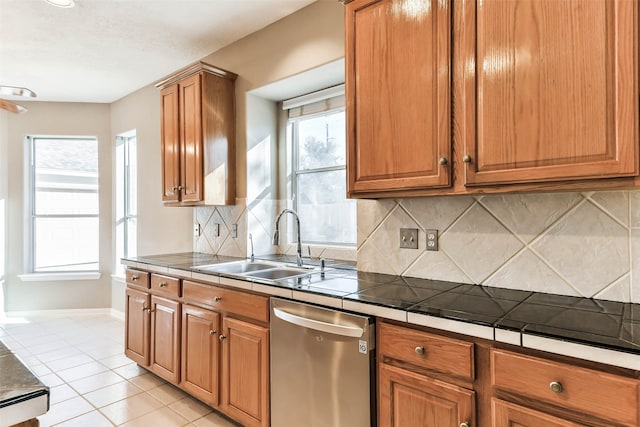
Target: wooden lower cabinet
x=245, y=372
x=200, y=350
x=408, y=399
x=137, y=326
x=505, y=414
x=165, y=338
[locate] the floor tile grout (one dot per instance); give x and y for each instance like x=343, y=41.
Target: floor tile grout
x=67, y=353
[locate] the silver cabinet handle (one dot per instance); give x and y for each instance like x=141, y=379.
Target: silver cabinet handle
x=556, y=387
x=465, y=424
x=217, y=299
x=222, y=337
x=212, y=332
x=466, y=158
x=443, y=161
x=318, y=325
x=420, y=351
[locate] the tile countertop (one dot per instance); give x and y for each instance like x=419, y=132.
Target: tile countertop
x=597, y=330
x=22, y=395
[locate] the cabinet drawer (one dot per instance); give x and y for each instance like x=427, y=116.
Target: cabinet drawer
x=137, y=278
x=434, y=352
x=582, y=390
x=228, y=300
x=165, y=285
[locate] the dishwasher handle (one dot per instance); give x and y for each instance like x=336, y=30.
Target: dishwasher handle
x=318, y=325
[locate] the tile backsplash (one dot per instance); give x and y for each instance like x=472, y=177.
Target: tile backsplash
x=582, y=244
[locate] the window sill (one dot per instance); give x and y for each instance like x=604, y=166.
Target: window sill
x=56, y=277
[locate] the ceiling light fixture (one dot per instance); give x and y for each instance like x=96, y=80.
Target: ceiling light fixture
x=14, y=91
x=61, y=3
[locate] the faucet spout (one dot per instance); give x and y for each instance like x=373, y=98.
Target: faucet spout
x=276, y=233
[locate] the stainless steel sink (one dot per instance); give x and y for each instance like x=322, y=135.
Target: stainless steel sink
x=278, y=273
x=237, y=267
x=259, y=270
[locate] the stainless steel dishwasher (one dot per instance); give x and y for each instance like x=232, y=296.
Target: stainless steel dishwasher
x=322, y=367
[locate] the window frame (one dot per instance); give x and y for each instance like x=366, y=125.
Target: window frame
x=296, y=172
x=33, y=216
x=128, y=215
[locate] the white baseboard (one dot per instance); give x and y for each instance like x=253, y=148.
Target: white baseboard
x=65, y=312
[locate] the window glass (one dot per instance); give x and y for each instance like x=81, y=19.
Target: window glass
x=126, y=199
x=64, y=204
x=319, y=146
x=321, y=141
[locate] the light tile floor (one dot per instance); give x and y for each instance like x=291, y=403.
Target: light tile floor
x=81, y=358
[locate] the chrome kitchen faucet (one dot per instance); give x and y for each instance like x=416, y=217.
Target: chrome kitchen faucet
x=276, y=233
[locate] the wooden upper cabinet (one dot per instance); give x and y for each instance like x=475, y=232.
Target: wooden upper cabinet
x=398, y=95
x=198, y=136
x=191, y=163
x=170, y=128
x=547, y=90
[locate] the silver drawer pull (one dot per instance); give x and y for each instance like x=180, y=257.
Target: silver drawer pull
x=556, y=387
x=217, y=299
x=420, y=351
x=163, y=285
x=222, y=337
x=212, y=332
x=465, y=424
x=134, y=278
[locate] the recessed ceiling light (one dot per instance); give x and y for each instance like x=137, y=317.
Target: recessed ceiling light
x=62, y=3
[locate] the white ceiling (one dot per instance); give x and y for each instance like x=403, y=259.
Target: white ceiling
x=102, y=50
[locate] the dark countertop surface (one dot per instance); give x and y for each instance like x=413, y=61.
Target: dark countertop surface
x=17, y=382
x=605, y=324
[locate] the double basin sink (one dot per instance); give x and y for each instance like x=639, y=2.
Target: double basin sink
x=269, y=271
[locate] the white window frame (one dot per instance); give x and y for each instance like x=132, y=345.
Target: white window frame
x=34, y=275
x=296, y=172
x=126, y=192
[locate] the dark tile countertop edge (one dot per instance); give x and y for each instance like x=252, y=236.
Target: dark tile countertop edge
x=17, y=382
x=609, y=330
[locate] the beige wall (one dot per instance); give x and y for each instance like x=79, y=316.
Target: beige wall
x=310, y=37
x=45, y=118
x=3, y=201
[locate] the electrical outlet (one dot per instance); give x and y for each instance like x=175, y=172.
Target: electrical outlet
x=234, y=231
x=196, y=229
x=409, y=238
x=216, y=230
x=432, y=240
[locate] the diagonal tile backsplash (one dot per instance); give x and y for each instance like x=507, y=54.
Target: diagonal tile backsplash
x=583, y=244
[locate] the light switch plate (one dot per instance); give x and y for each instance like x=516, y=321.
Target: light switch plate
x=196, y=229
x=234, y=231
x=216, y=230
x=409, y=238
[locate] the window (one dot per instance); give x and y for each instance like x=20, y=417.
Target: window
x=126, y=199
x=318, y=139
x=64, y=204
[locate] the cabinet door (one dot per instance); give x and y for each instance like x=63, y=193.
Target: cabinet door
x=170, y=137
x=506, y=414
x=165, y=338
x=191, y=160
x=200, y=355
x=548, y=89
x=137, y=326
x=398, y=95
x=407, y=399
x=245, y=372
